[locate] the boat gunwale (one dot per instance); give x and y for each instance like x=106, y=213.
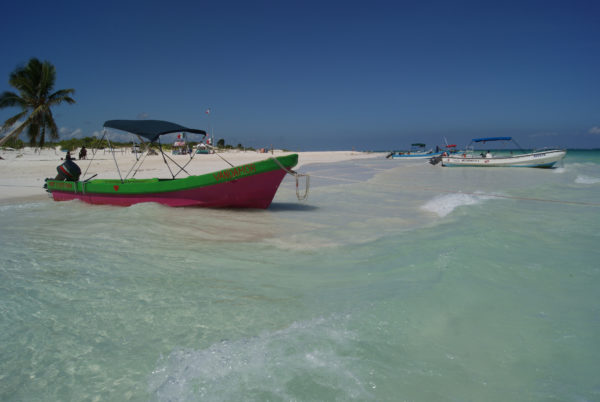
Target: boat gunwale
x=165, y=185
x=520, y=160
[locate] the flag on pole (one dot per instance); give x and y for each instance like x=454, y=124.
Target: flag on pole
x=207, y=111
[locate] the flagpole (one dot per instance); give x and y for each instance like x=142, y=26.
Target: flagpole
x=212, y=141
x=212, y=134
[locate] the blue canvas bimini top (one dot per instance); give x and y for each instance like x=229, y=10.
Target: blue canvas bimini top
x=491, y=139
x=150, y=129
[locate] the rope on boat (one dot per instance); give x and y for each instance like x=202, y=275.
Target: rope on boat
x=297, y=176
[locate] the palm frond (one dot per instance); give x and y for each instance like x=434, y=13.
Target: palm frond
x=48, y=78
x=21, y=79
x=62, y=92
x=15, y=132
x=61, y=96
x=10, y=99
x=11, y=121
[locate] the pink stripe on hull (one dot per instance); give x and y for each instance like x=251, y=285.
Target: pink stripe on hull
x=249, y=192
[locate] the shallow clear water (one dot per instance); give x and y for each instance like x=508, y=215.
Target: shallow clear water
x=396, y=280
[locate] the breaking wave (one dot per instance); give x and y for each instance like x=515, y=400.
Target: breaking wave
x=443, y=205
x=581, y=179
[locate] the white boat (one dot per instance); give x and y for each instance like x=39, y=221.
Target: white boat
x=417, y=152
x=540, y=159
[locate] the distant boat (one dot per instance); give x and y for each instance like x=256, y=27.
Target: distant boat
x=539, y=159
x=203, y=149
x=450, y=149
x=252, y=185
x=417, y=151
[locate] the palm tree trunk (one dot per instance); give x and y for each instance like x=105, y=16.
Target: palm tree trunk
x=14, y=134
x=43, y=136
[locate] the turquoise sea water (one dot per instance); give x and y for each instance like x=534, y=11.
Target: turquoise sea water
x=396, y=280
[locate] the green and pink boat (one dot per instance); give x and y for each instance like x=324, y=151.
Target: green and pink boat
x=252, y=185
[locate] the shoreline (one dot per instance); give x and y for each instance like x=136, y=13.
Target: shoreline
x=22, y=172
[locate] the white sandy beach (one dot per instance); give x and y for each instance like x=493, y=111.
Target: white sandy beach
x=22, y=172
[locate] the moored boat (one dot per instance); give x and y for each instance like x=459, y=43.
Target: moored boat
x=417, y=151
x=539, y=159
x=450, y=149
x=252, y=185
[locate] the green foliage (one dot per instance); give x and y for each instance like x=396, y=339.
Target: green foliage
x=70, y=145
x=14, y=143
x=89, y=142
x=73, y=144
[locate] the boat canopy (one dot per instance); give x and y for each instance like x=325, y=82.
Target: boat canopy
x=150, y=129
x=491, y=139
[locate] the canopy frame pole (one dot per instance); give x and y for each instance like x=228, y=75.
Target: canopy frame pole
x=139, y=160
x=93, y=156
x=182, y=168
x=517, y=144
x=143, y=159
x=164, y=159
x=112, y=149
x=178, y=165
x=137, y=163
x=216, y=153
x=192, y=155
x=165, y=156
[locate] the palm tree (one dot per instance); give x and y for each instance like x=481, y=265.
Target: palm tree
x=34, y=82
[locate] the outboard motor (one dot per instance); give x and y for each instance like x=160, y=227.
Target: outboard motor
x=435, y=160
x=68, y=171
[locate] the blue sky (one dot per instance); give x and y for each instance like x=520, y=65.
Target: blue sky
x=319, y=75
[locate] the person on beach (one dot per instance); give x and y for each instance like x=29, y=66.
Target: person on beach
x=68, y=157
x=83, y=153
x=488, y=155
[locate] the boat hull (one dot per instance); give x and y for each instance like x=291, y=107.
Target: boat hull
x=545, y=159
x=247, y=186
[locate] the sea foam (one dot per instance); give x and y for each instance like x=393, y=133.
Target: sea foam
x=267, y=366
x=581, y=179
x=23, y=206
x=446, y=203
